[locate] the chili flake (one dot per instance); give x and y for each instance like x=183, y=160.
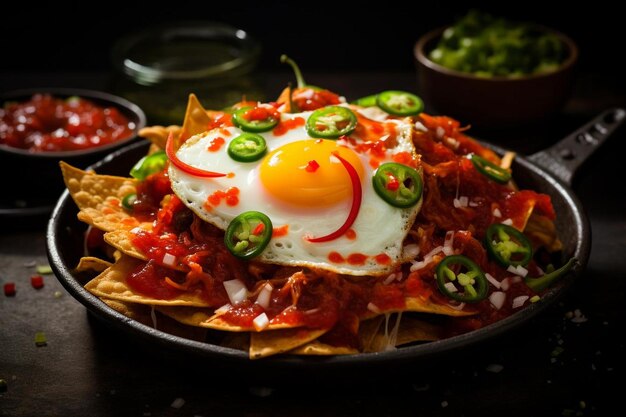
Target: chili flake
x=36, y=281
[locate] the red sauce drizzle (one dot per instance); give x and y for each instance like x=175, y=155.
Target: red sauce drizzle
x=280, y=231
x=287, y=125
x=216, y=144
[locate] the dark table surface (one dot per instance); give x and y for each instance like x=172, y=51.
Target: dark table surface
x=552, y=365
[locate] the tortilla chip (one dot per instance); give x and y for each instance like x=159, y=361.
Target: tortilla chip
x=99, y=198
x=368, y=330
x=211, y=320
x=420, y=305
x=264, y=344
x=158, y=134
x=542, y=231
x=197, y=119
x=91, y=263
x=144, y=314
x=112, y=284
x=410, y=330
x=121, y=240
x=317, y=348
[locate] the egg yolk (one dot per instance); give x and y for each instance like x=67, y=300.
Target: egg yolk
x=305, y=174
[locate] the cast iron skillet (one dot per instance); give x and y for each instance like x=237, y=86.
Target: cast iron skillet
x=549, y=171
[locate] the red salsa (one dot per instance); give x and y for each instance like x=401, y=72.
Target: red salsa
x=49, y=124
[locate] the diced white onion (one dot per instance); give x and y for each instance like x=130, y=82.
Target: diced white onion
x=136, y=230
x=453, y=142
x=169, y=259
x=473, y=204
x=508, y=222
x=493, y=281
x=410, y=251
x=496, y=212
x=391, y=278
x=449, y=239
x=440, y=132
x=374, y=113
x=260, y=322
x=458, y=306
x=516, y=279
x=521, y=271
x=236, y=290
x=373, y=308
x=419, y=126
x=519, y=301
x=450, y=287
x=415, y=266
x=433, y=252
x=223, y=309
x=265, y=295
x=497, y=299
x=505, y=284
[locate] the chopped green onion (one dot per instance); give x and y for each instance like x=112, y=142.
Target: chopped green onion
x=44, y=269
x=40, y=339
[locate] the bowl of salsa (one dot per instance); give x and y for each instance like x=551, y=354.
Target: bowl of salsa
x=40, y=127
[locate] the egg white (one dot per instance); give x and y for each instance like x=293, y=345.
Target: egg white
x=380, y=228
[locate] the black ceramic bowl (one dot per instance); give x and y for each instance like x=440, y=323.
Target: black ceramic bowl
x=494, y=102
x=32, y=181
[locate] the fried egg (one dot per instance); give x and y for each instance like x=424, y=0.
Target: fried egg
x=305, y=203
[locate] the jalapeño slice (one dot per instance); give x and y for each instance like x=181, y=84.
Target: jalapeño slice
x=507, y=245
x=248, y=234
x=129, y=200
x=247, y=147
x=469, y=284
x=398, y=184
x=491, y=170
x=255, y=119
x=399, y=103
x=367, y=101
x=331, y=122
x=149, y=165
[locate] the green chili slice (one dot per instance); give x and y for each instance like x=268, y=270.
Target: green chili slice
x=367, y=101
x=247, y=147
x=248, y=234
x=128, y=201
x=398, y=184
x=491, y=170
x=507, y=245
x=463, y=273
x=149, y=165
x=399, y=103
x=331, y=122
x=255, y=119
x=541, y=283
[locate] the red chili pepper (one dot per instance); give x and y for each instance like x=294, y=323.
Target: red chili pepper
x=393, y=184
x=9, y=289
x=357, y=195
x=36, y=281
x=312, y=166
x=171, y=154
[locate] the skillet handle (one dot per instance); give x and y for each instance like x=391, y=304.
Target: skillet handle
x=566, y=156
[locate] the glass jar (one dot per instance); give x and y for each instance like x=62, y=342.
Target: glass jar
x=159, y=67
